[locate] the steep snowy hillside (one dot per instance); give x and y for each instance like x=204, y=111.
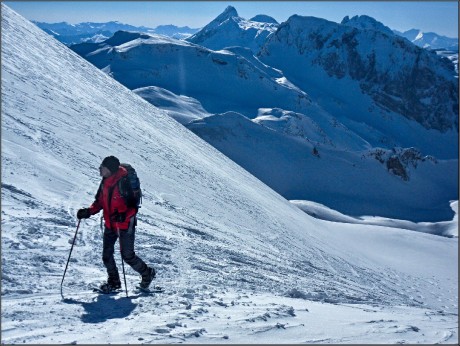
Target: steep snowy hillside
x=366, y=75
x=239, y=263
x=229, y=29
x=220, y=80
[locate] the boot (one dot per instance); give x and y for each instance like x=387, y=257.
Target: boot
x=113, y=283
x=147, y=278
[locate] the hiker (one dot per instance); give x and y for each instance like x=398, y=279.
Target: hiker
x=120, y=222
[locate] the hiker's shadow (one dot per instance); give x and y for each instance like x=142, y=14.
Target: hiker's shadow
x=104, y=307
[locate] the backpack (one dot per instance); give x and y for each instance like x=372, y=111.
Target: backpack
x=130, y=187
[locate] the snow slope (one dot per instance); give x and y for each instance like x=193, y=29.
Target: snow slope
x=446, y=228
x=239, y=262
x=220, y=80
x=179, y=107
x=352, y=181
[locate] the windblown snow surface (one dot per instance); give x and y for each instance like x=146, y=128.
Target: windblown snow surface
x=239, y=263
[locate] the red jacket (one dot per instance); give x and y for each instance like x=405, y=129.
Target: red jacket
x=116, y=213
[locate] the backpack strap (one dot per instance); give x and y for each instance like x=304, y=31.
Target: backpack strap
x=109, y=204
x=99, y=190
x=124, y=187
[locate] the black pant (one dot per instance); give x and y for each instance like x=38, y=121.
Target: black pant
x=127, y=250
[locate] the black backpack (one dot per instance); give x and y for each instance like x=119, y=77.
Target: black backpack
x=130, y=187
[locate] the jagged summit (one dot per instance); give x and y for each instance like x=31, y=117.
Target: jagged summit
x=229, y=12
x=229, y=29
x=364, y=22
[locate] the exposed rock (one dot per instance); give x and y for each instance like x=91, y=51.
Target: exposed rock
x=399, y=160
x=396, y=167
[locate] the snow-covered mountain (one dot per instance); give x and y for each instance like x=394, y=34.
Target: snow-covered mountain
x=429, y=40
x=97, y=32
x=386, y=74
x=229, y=29
x=442, y=45
x=239, y=262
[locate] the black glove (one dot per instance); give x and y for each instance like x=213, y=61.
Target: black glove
x=83, y=213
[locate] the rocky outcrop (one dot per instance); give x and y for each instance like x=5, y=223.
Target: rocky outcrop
x=399, y=161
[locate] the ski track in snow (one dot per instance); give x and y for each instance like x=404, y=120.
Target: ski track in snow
x=239, y=263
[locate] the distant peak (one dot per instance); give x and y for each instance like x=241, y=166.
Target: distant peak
x=307, y=21
x=229, y=12
x=121, y=37
x=262, y=18
x=364, y=22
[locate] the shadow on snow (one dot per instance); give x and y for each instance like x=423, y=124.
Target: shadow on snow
x=104, y=307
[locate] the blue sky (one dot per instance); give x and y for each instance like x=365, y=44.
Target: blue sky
x=430, y=16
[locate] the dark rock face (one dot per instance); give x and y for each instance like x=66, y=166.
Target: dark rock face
x=399, y=161
x=395, y=166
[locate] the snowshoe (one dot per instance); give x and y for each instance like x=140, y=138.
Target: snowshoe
x=147, y=278
x=109, y=287
x=154, y=289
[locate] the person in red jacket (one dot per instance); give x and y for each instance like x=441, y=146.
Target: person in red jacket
x=120, y=222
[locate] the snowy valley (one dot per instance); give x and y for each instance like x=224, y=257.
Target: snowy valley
x=239, y=262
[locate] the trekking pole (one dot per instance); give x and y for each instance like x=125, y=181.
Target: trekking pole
x=122, y=263
x=74, y=238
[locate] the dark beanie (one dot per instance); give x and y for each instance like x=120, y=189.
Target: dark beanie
x=112, y=163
